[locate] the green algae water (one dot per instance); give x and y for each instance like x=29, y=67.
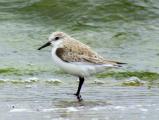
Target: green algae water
x=31, y=87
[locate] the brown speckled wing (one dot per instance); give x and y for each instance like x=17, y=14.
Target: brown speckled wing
x=75, y=51
x=68, y=55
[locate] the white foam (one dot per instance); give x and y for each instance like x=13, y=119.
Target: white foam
x=72, y=109
x=98, y=82
x=4, y=80
x=98, y=108
x=108, y=107
x=33, y=78
x=143, y=109
x=119, y=107
x=60, y=118
x=21, y=110
x=48, y=110
x=54, y=81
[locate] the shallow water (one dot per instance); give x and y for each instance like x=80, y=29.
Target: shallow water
x=31, y=87
x=109, y=100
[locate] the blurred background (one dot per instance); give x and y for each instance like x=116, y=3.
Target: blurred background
x=123, y=30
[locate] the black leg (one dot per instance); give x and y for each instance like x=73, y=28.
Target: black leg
x=81, y=80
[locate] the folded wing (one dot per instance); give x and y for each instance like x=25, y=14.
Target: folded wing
x=83, y=54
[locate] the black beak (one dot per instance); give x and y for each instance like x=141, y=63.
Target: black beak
x=45, y=45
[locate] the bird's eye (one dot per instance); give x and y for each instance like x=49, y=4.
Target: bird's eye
x=56, y=38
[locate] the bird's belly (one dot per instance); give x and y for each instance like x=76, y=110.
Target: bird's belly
x=78, y=69
x=74, y=69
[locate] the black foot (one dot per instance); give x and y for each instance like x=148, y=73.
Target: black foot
x=79, y=97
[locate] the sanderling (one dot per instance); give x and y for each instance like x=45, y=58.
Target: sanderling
x=76, y=58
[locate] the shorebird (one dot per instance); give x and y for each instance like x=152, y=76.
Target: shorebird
x=76, y=58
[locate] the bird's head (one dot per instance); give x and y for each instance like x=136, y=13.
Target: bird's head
x=55, y=39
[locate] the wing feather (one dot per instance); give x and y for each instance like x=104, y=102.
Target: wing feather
x=79, y=52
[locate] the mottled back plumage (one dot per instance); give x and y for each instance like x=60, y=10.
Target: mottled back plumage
x=75, y=51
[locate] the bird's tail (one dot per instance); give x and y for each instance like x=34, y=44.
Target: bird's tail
x=116, y=63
